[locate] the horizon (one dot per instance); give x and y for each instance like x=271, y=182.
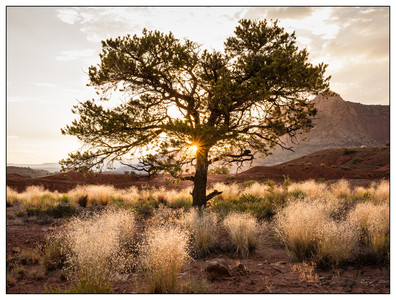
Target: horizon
x=44, y=83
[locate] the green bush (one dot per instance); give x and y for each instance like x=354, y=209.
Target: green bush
x=356, y=159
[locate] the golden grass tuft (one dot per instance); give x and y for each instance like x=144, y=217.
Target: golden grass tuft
x=12, y=196
x=380, y=192
x=341, y=189
x=335, y=242
x=373, y=223
x=243, y=229
x=163, y=254
x=310, y=188
x=96, y=247
x=37, y=196
x=202, y=224
x=297, y=225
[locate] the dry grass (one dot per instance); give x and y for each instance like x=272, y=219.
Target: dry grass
x=243, y=229
x=310, y=188
x=12, y=196
x=162, y=256
x=96, y=248
x=380, y=192
x=231, y=191
x=298, y=224
x=90, y=195
x=335, y=242
x=373, y=222
x=341, y=189
x=37, y=196
x=202, y=224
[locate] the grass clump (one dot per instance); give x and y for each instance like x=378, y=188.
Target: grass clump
x=297, y=225
x=163, y=254
x=243, y=230
x=97, y=249
x=202, y=224
x=373, y=222
x=12, y=196
x=335, y=242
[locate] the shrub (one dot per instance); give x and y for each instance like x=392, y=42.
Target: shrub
x=347, y=151
x=202, y=224
x=55, y=250
x=356, y=159
x=243, y=230
x=96, y=248
x=219, y=170
x=162, y=256
x=29, y=257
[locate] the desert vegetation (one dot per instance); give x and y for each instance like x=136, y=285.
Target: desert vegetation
x=107, y=233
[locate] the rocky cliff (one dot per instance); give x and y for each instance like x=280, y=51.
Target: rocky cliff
x=338, y=123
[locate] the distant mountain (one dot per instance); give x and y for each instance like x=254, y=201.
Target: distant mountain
x=27, y=172
x=338, y=124
x=50, y=167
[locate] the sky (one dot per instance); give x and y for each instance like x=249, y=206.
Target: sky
x=49, y=50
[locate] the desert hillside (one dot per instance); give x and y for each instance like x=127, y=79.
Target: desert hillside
x=361, y=164
x=338, y=124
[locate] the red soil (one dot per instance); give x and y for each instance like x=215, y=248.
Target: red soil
x=361, y=166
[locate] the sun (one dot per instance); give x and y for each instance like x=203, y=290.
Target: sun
x=193, y=148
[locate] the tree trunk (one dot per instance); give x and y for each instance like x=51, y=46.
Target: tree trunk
x=200, y=178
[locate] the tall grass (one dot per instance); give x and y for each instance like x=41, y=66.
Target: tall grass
x=380, y=192
x=202, y=224
x=163, y=254
x=298, y=225
x=11, y=197
x=37, y=196
x=373, y=222
x=243, y=229
x=335, y=242
x=96, y=248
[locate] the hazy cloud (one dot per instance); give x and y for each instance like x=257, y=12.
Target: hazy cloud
x=69, y=55
x=279, y=12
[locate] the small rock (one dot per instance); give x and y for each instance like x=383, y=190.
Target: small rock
x=217, y=269
x=16, y=249
x=240, y=269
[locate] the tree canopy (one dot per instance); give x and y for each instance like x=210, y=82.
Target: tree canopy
x=231, y=104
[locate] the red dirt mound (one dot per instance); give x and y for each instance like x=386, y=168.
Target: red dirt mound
x=363, y=164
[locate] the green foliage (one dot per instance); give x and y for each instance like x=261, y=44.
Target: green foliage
x=257, y=206
x=58, y=211
x=219, y=170
x=145, y=208
x=356, y=159
x=348, y=151
x=181, y=203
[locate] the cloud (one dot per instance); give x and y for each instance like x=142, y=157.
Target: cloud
x=83, y=54
x=68, y=15
x=279, y=12
x=44, y=84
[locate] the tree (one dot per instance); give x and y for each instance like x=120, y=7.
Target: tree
x=232, y=105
